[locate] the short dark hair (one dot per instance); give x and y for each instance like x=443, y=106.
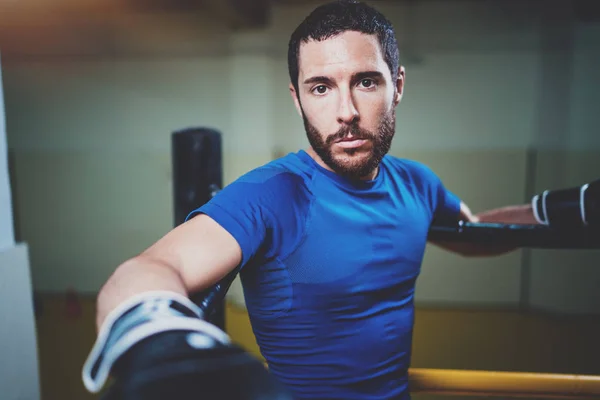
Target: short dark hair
x=339, y=16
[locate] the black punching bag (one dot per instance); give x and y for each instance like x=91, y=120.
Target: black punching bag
x=197, y=177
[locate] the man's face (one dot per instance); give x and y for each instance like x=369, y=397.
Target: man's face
x=347, y=100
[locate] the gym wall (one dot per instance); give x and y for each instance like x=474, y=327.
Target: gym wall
x=496, y=103
x=500, y=108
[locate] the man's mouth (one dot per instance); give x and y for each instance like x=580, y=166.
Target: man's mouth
x=350, y=138
x=351, y=142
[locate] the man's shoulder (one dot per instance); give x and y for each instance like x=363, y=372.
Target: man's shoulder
x=410, y=169
x=285, y=174
x=275, y=188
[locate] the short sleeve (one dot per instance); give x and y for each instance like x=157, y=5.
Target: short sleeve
x=448, y=204
x=264, y=210
x=444, y=204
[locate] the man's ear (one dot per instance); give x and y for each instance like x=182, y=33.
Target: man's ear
x=294, y=94
x=400, y=85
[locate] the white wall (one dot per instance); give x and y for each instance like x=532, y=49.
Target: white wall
x=91, y=139
x=93, y=166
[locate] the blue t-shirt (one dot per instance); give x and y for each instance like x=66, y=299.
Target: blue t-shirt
x=329, y=269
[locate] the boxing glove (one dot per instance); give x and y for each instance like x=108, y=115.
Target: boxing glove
x=157, y=346
x=573, y=207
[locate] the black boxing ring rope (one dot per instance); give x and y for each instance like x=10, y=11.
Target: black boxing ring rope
x=524, y=236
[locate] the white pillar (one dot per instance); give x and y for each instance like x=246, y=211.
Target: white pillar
x=19, y=371
x=7, y=236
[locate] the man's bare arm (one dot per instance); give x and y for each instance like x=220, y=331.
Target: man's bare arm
x=191, y=257
x=516, y=214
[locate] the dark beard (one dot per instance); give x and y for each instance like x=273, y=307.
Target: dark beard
x=358, y=169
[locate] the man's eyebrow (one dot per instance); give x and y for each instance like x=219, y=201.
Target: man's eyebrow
x=356, y=77
x=317, y=79
x=367, y=74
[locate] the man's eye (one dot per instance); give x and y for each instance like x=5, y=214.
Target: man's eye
x=321, y=89
x=367, y=82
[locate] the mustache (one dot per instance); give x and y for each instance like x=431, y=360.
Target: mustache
x=353, y=129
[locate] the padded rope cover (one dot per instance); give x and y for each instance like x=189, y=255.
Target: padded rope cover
x=570, y=207
x=206, y=299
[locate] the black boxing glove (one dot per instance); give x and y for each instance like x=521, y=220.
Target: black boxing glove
x=573, y=207
x=156, y=345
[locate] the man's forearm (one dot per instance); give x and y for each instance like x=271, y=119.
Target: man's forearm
x=137, y=275
x=518, y=214
x=514, y=215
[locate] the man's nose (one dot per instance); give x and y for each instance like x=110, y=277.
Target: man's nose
x=347, y=113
